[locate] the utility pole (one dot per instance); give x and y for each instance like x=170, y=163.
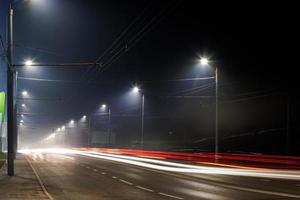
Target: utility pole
x=288, y=125
x=217, y=117
x=109, y=128
x=143, y=115
x=10, y=96
x=89, y=131
x=15, y=78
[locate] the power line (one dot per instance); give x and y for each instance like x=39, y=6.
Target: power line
x=39, y=99
x=47, y=80
x=43, y=51
x=129, y=44
x=251, y=98
x=139, y=35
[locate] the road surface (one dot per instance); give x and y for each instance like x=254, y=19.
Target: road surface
x=74, y=176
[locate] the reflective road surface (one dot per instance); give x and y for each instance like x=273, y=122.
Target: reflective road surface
x=89, y=175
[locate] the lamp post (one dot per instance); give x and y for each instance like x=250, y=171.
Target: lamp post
x=205, y=62
x=63, y=129
x=109, y=126
x=10, y=97
x=104, y=106
x=136, y=89
x=86, y=121
x=89, y=132
x=70, y=125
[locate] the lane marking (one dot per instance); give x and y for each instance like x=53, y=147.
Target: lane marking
x=95, y=170
x=171, y=196
x=87, y=167
x=214, y=182
x=125, y=182
x=230, y=186
x=39, y=180
x=143, y=188
x=114, y=177
x=103, y=173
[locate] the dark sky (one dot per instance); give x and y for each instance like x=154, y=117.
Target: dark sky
x=252, y=44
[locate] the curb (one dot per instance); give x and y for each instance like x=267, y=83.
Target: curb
x=3, y=165
x=39, y=180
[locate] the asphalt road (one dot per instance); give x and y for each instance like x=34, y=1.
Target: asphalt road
x=79, y=177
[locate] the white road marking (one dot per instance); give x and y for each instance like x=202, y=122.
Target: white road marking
x=168, y=195
x=87, y=167
x=39, y=180
x=95, y=170
x=143, y=188
x=103, y=173
x=114, y=177
x=211, y=170
x=125, y=181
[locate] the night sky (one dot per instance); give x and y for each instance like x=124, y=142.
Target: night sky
x=254, y=46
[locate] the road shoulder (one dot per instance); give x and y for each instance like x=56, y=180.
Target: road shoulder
x=24, y=185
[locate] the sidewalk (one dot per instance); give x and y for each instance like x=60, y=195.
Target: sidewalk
x=24, y=185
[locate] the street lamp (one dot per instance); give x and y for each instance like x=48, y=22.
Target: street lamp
x=83, y=119
x=104, y=106
x=21, y=120
x=205, y=62
x=24, y=93
x=28, y=62
x=136, y=89
x=11, y=105
x=70, y=125
x=63, y=138
x=23, y=105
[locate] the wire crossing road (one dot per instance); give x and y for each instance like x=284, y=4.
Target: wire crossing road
x=96, y=176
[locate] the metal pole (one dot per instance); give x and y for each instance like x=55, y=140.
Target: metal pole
x=10, y=96
x=89, y=132
x=217, y=117
x=143, y=113
x=288, y=125
x=15, y=77
x=109, y=133
x=66, y=132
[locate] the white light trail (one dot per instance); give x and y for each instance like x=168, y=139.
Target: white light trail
x=175, y=167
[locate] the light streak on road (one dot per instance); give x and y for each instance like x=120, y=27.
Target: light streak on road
x=172, y=166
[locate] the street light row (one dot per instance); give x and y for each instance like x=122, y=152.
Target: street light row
x=135, y=89
x=203, y=61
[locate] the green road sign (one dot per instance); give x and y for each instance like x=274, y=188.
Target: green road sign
x=2, y=105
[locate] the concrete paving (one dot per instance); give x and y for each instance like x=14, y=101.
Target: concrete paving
x=24, y=185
